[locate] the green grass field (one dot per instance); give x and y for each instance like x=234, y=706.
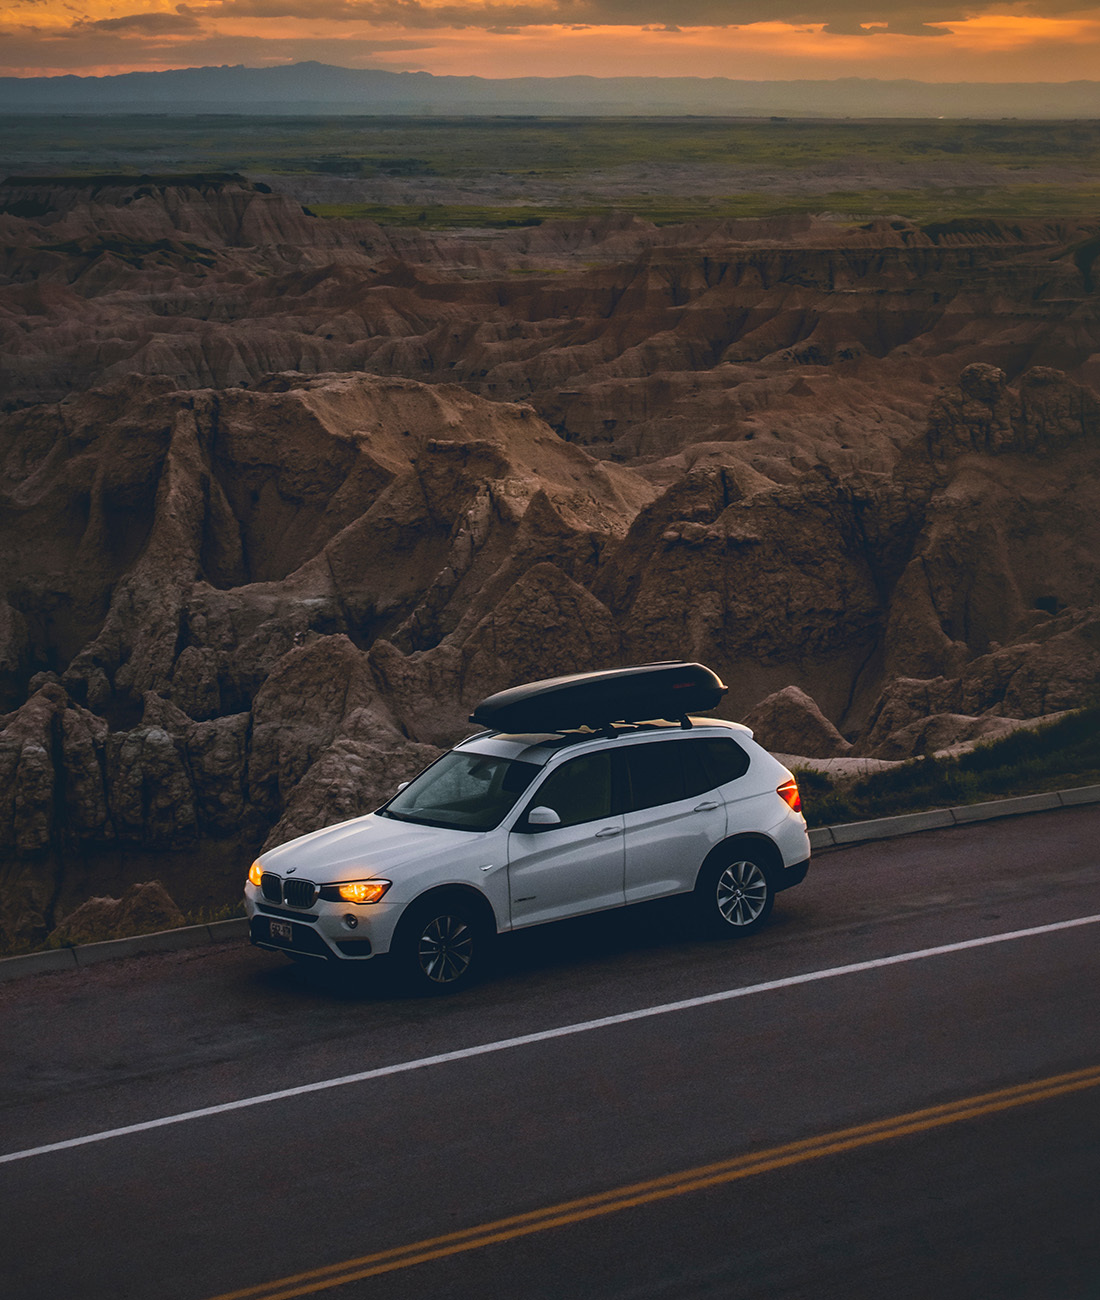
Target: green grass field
x=358, y=146
x=592, y=165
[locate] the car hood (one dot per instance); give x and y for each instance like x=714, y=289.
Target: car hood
x=366, y=847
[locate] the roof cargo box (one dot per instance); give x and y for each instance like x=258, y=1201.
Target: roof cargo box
x=663, y=690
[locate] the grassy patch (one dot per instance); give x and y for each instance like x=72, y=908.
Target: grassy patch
x=1061, y=755
x=943, y=213
x=442, y=216
x=208, y=915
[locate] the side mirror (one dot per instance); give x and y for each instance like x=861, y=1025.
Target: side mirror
x=402, y=786
x=542, y=816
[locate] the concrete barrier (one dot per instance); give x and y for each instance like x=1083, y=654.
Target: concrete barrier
x=88, y=954
x=886, y=828
x=1028, y=803
x=1083, y=794
x=827, y=837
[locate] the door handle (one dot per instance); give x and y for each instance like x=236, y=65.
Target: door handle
x=607, y=832
x=707, y=806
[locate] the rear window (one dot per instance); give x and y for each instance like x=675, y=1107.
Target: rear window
x=725, y=760
x=667, y=771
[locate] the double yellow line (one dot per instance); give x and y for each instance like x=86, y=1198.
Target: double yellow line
x=657, y=1189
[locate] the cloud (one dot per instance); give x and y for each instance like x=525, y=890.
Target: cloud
x=404, y=13
x=155, y=24
x=985, y=39
x=836, y=17
x=895, y=27
x=86, y=48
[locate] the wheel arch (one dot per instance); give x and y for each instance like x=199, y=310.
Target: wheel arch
x=727, y=850
x=467, y=894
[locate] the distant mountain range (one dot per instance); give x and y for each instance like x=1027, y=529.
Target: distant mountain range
x=320, y=88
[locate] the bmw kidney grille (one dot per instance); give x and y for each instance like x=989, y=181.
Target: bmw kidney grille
x=294, y=893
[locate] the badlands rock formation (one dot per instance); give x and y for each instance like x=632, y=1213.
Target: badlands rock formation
x=281, y=499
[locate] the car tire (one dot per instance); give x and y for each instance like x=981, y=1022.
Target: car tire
x=440, y=946
x=734, y=895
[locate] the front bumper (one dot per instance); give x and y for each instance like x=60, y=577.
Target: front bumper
x=321, y=931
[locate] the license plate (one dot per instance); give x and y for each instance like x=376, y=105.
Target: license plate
x=282, y=930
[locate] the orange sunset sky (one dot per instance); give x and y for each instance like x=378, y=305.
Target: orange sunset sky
x=922, y=39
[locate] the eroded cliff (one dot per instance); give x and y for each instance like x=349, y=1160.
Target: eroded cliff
x=274, y=517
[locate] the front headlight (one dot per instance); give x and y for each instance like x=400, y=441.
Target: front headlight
x=255, y=874
x=355, y=891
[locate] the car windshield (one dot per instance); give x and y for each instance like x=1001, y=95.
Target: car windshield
x=464, y=791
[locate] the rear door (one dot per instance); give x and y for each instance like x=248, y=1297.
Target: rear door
x=577, y=866
x=674, y=815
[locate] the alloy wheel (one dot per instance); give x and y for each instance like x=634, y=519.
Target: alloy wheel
x=445, y=949
x=742, y=893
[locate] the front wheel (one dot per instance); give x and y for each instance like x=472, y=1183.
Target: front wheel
x=735, y=896
x=440, y=947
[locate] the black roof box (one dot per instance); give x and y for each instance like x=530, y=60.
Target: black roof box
x=663, y=690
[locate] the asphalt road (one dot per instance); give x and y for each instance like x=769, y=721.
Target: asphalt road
x=926, y=1124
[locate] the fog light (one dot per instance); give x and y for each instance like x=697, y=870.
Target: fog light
x=351, y=921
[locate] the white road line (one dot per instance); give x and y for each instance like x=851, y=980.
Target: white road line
x=544, y=1035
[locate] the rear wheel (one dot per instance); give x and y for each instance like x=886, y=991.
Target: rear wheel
x=734, y=895
x=441, y=946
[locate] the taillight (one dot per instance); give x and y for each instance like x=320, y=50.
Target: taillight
x=788, y=792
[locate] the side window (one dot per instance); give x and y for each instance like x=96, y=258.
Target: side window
x=696, y=772
x=579, y=791
x=725, y=760
x=656, y=773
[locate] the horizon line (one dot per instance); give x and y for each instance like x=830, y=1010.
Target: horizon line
x=576, y=76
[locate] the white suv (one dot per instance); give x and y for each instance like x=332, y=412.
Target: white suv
x=511, y=830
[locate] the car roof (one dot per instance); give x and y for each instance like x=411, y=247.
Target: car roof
x=540, y=747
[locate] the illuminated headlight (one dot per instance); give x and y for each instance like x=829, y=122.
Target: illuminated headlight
x=355, y=891
x=255, y=874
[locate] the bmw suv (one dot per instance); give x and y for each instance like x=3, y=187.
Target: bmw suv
x=514, y=829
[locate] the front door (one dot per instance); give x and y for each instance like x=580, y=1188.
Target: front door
x=576, y=866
